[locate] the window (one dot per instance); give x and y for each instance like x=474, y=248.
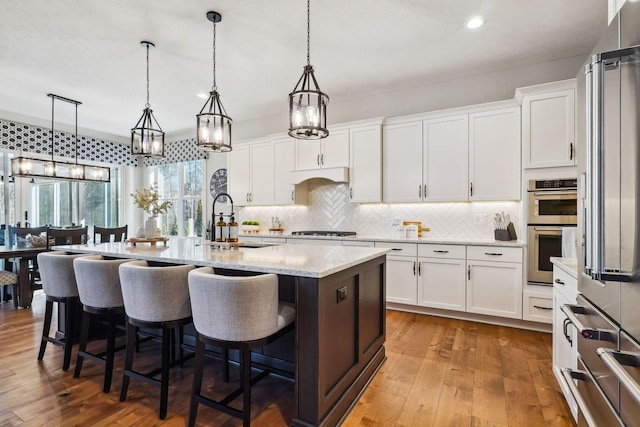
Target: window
x=7, y=194
x=182, y=184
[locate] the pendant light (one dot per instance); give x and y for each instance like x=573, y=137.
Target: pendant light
x=307, y=103
x=38, y=168
x=147, y=138
x=213, y=124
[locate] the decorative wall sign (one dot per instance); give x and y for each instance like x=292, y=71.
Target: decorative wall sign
x=218, y=184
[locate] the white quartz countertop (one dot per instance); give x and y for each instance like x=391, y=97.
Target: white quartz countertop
x=294, y=260
x=423, y=239
x=569, y=265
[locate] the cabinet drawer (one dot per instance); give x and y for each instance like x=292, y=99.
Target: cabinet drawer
x=538, y=308
x=565, y=284
x=442, y=251
x=403, y=249
x=494, y=253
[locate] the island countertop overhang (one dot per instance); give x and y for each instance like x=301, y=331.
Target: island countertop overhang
x=286, y=259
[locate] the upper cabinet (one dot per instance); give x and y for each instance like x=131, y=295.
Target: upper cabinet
x=365, y=164
x=459, y=155
x=548, y=124
x=332, y=151
x=285, y=193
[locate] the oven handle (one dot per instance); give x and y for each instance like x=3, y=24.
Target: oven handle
x=568, y=375
x=570, y=310
x=553, y=193
x=611, y=358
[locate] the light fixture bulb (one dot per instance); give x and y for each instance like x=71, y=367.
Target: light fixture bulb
x=475, y=22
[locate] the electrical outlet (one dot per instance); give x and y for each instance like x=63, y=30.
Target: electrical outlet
x=341, y=294
x=478, y=218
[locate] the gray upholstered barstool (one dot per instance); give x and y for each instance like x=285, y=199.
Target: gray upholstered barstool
x=59, y=285
x=154, y=298
x=100, y=294
x=234, y=313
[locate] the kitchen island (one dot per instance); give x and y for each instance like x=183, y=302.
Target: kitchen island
x=339, y=293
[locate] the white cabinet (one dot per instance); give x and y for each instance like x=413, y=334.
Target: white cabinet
x=494, y=155
x=365, y=165
x=402, y=162
x=329, y=152
x=239, y=174
x=565, y=353
x=284, y=192
x=445, y=154
x=250, y=171
x=441, y=276
x=402, y=272
x=549, y=125
x=494, y=281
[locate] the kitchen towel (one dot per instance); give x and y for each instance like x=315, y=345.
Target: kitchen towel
x=569, y=242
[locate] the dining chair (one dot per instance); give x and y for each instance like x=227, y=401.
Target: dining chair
x=18, y=236
x=239, y=313
x=67, y=236
x=119, y=234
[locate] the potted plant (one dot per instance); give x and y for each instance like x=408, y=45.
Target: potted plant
x=148, y=199
x=250, y=227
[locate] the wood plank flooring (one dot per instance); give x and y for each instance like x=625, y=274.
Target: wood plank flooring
x=439, y=372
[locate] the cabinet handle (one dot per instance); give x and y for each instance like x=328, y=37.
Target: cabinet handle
x=571, y=151
x=424, y=191
x=420, y=190
x=414, y=268
x=471, y=189
x=559, y=282
x=293, y=195
x=419, y=269
x=318, y=160
x=440, y=252
x=493, y=253
x=539, y=307
x=251, y=197
x=565, y=326
x=396, y=249
x=246, y=197
x=351, y=193
x=469, y=272
x=321, y=159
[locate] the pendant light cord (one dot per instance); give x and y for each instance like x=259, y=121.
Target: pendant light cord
x=215, y=86
x=53, y=104
x=148, y=105
x=76, y=144
x=308, y=32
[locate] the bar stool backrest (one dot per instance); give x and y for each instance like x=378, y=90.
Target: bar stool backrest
x=98, y=281
x=57, y=275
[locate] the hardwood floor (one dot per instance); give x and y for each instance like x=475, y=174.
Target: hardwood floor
x=439, y=372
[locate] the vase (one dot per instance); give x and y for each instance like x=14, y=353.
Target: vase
x=151, y=228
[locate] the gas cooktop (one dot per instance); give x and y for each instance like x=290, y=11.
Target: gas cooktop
x=323, y=233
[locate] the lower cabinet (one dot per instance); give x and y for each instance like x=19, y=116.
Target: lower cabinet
x=402, y=272
x=494, y=281
x=441, y=277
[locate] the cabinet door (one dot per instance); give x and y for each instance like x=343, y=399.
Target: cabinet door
x=365, y=166
x=308, y=154
x=262, y=174
x=494, y=155
x=401, y=280
x=402, y=162
x=494, y=288
x=565, y=354
x=335, y=149
x=445, y=154
x=239, y=175
x=284, y=191
x=442, y=283
x=548, y=129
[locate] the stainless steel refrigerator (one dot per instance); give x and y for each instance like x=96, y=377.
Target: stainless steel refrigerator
x=607, y=316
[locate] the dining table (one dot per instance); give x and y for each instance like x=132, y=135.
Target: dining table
x=23, y=254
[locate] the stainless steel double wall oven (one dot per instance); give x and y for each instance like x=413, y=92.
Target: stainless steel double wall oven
x=553, y=204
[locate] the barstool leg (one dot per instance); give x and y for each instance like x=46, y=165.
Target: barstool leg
x=225, y=365
x=84, y=337
x=68, y=336
x=197, y=381
x=110, y=356
x=48, y=311
x=164, y=371
x=246, y=386
x=128, y=360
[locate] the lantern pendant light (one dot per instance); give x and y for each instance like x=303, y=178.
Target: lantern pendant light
x=213, y=124
x=307, y=103
x=147, y=138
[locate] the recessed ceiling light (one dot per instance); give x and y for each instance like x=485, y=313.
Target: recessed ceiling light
x=203, y=95
x=475, y=22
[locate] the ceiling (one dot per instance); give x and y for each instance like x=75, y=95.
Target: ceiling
x=90, y=51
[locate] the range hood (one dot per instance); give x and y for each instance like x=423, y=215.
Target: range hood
x=338, y=174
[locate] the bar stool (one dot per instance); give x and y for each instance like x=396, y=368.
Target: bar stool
x=239, y=313
x=155, y=298
x=100, y=294
x=59, y=285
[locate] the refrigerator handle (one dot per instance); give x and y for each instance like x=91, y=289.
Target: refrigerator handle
x=596, y=203
x=588, y=232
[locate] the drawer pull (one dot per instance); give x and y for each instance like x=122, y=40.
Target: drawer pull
x=440, y=252
x=572, y=310
x=568, y=375
x=559, y=282
x=615, y=360
x=396, y=249
x=493, y=253
x=539, y=307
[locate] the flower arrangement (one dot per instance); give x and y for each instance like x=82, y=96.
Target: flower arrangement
x=149, y=200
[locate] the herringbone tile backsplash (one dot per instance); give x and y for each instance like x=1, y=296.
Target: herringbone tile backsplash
x=329, y=208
